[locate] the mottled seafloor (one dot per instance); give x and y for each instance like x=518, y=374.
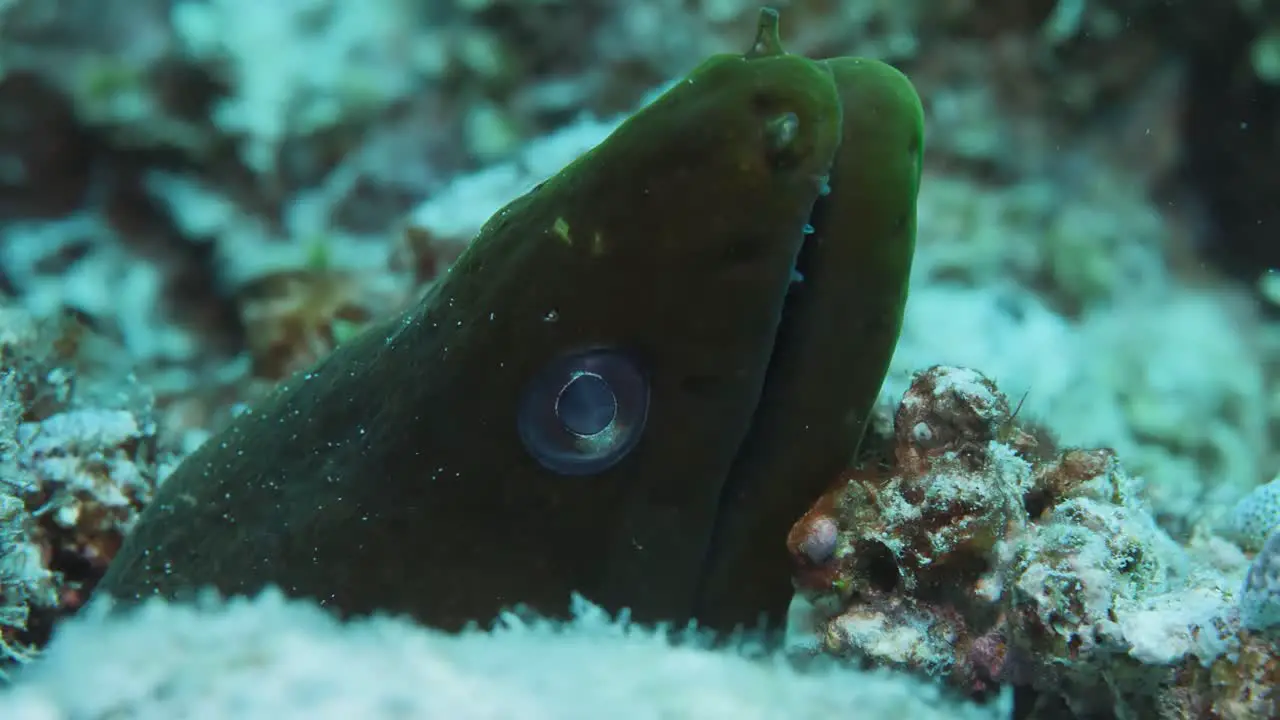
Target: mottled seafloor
x=198, y=197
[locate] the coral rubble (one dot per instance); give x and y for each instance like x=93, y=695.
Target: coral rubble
x=978, y=552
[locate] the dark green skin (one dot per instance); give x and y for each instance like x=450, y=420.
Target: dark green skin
x=833, y=349
x=391, y=476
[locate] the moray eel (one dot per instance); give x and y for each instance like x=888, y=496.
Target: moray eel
x=629, y=386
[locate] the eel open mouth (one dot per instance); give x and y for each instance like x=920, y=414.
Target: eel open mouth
x=804, y=258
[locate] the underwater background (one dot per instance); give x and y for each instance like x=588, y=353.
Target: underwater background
x=200, y=197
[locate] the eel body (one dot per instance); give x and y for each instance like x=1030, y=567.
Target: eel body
x=630, y=385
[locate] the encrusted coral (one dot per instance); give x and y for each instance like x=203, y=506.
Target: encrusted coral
x=76, y=467
x=1255, y=516
x=1084, y=589
x=925, y=532
x=1240, y=685
x=1260, y=598
x=980, y=553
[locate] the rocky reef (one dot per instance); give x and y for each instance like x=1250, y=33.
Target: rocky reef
x=1066, y=508
x=977, y=552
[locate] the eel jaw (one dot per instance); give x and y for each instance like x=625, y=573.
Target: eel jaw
x=810, y=235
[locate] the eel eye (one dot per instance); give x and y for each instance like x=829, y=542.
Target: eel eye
x=584, y=412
